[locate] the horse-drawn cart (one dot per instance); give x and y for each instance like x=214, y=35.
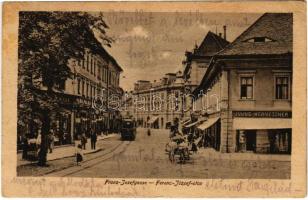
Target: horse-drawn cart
x=178, y=148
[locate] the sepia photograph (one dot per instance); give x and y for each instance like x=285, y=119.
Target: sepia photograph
x=154, y=99
x=162, y=95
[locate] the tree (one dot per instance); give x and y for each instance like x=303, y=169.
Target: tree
x=46, y=43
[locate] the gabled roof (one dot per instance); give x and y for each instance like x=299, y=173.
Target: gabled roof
x=210, y=45
x=275, y=27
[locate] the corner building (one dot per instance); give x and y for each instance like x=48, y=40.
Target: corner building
x=249, y=90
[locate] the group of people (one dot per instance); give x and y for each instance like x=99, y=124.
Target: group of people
x=82, y=146
x=84, y=140
x=188, y=138
x=35, y=144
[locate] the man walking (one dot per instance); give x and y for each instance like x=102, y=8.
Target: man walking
x=83, y=141
x=93, y=140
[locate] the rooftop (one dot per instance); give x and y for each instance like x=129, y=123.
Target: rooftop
x=272, y=33
x=210, y=45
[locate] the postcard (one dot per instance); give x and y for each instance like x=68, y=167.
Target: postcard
x=154, y=99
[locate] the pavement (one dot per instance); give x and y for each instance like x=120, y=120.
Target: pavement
x=65, y=151
x=212, y=153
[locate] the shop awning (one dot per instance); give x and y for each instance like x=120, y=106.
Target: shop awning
x=208, y=123
x=191, y=124
x=261, y=123
x=185, y=120
x=152, y=120
x=186, y=123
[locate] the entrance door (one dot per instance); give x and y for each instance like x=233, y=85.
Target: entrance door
x=162, y=122
x=250, y=140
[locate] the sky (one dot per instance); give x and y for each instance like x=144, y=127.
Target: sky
x=148, y=45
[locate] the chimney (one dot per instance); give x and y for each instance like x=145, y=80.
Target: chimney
x=225, y=32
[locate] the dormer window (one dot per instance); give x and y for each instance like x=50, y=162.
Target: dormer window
x=259, y=40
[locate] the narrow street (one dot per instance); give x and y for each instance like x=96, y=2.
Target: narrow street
x=146, y=158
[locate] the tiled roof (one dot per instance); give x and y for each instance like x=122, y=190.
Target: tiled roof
x=221, y=41
x=275, y=27
x=210, y=45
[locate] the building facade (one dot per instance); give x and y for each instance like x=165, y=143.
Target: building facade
x=159, y=104
x=247, y=90
x=95, y=84
x=197, y=62
x=82, y=98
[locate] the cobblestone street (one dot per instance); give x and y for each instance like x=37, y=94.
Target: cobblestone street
x=146, y=158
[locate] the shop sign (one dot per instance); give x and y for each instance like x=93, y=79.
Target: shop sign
x=263, y=114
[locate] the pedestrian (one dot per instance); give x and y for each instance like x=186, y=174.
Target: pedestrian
x=83, y=141
x=79, y=154
x=51, y=141
x=149, y=132
x=93, y=140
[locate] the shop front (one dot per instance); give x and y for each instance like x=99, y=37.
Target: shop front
x=61, y=125
x=100, y=124
x=153, y=122
x=274, y=141
x=114, y=121
x=82, y=123
x=263, y=134
x=78, y=126
x=210, y=131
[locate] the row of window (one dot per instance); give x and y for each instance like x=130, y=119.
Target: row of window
x=155, y=101
x=282, y=87
x=87, y=89
x=114, y=79
x=94, y=66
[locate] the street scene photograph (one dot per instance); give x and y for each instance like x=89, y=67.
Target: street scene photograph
x=177, y=95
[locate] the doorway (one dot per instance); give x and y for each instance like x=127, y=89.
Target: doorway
x=162, y=122
x=250, y=140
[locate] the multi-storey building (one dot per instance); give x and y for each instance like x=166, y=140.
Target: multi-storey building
x=158, y=104
x=197, y=62
x=248, y=90
x=94, y=84
x=82, y=98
